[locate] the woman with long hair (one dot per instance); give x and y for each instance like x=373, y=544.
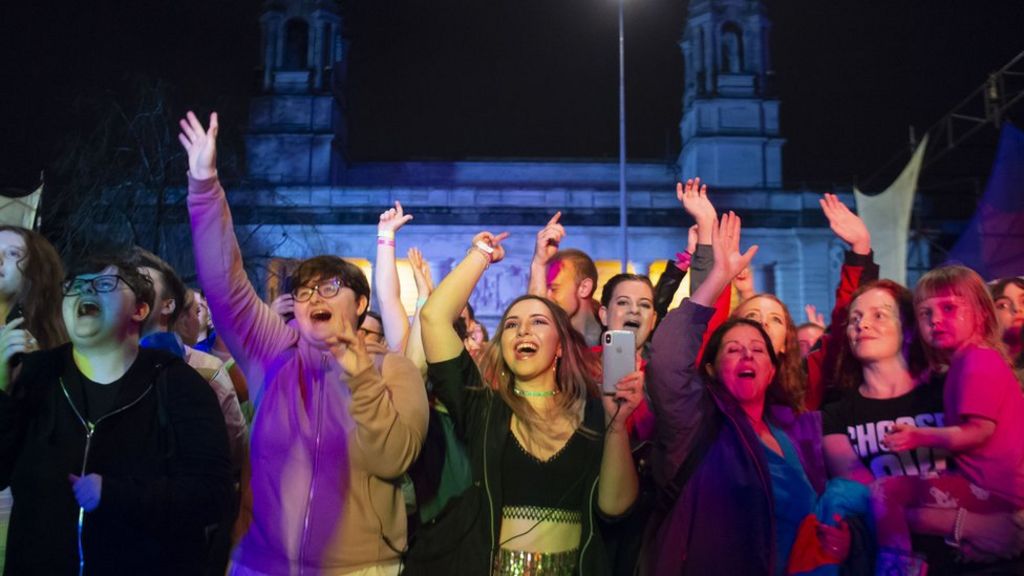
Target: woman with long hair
x=30, y=294
x=885, y=382
x=737, y=468
x=538, y=432
x=30, y=281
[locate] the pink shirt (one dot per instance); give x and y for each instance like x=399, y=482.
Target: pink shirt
x=981, y=384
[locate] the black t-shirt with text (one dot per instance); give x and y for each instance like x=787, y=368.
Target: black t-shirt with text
x=866, y=421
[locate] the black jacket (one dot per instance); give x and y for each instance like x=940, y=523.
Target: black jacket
x=463, y=539
x=161, y=451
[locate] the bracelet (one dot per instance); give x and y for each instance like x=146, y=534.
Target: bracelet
x=487, y=248
x=683, y=260
x=387, y=234
x=482, y=252
x=955, y=540
x=385, y=242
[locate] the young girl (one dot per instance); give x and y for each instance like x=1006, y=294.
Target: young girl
x=984, y=416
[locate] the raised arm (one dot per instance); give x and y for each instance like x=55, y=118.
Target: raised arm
x=424, y=287
x=672, y=277
x=440, y=341
x=548, y=240
x=858, y=268
x=252, y=331
x=675, y=385
x=385, y=278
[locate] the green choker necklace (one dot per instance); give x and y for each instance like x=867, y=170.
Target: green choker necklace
x=530, y=394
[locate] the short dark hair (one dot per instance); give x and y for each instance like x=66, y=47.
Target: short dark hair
x=139, y=284
x=333, y=267
x=998, y=287
x=614, y=281
x=172, y=282
x=582, y=264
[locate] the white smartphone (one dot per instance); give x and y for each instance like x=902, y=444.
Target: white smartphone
x=618, y=357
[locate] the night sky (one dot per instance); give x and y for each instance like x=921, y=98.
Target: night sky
x=470, y=79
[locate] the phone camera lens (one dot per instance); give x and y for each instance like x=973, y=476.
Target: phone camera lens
x=608, y=338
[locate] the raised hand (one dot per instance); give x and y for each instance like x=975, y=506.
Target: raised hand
x=14, y=340
x=694, y=198
x=393, y=219
x=726, y=244
x=420, y=272
x=497, y=253
x=348, y=346
x=813, y=316
x=846, y=225
x=548, y=240
x=283, y=305
x=200, y=145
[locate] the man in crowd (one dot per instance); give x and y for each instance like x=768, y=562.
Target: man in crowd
x=567, y=277
x=171, y=297
x=116, y=455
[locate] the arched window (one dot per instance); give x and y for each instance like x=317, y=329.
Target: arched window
x=296, y=43
x=732, y=48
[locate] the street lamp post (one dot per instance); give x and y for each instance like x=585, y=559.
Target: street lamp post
x=623, y=224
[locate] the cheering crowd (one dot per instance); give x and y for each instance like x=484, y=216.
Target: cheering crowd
x=150, y=428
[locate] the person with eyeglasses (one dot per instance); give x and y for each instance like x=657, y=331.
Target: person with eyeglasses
x=334, y=428
x=117, y=455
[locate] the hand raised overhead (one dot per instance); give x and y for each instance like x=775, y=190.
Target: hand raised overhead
x=548, y=240
x=393, y=219
x=694, y=198
x=846, y=225
x=493, y=241
x=420, y=272
x=200, y=145
x=726, y=244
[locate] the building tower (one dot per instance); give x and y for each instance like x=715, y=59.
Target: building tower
x=730, y=126
x=295, y=118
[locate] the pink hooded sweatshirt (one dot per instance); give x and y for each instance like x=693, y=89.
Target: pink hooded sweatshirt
x=327, y=450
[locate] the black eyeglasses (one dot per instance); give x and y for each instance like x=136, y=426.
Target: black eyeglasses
x=328, y=290
x=96, y=284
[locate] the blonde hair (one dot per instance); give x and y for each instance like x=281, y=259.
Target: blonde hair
x=791, y=376
x=967, y=284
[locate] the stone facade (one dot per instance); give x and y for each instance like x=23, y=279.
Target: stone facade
x=306, y=200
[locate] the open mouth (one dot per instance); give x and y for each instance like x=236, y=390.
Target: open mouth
x=525, y=349
x=748, y=374
x=88, y=309
x=631, y=325
x=320, y=315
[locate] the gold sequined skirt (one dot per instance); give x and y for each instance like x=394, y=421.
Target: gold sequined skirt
x=522, y=563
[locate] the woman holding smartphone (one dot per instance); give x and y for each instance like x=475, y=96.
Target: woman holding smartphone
x=539, y=434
